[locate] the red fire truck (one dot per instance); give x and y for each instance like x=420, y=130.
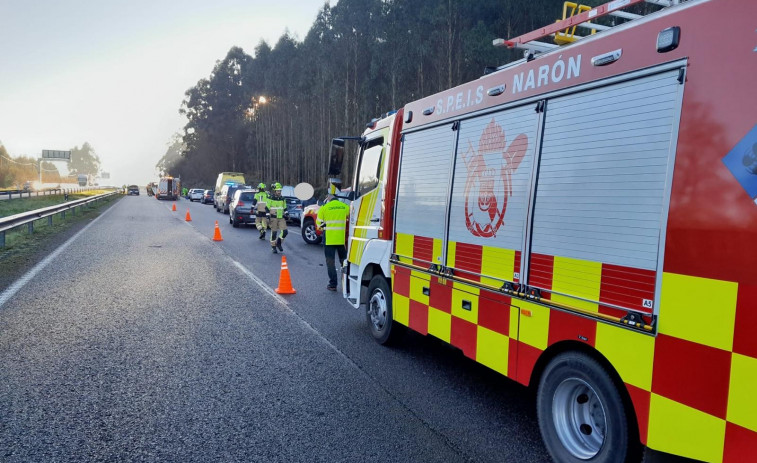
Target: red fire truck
x=583, y=221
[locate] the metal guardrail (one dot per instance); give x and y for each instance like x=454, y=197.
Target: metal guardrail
x=28, y=218
x=20, y=193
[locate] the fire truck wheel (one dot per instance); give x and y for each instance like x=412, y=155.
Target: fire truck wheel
x=581, y=413
x=379, y=312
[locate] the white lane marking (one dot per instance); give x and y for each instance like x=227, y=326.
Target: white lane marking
x=280, y=299
x=302, y=321
x=262, y=284
x=18, y=284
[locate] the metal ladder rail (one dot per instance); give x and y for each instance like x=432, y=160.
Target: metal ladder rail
x=583, y=19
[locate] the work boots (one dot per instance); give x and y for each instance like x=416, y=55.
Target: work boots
x=262, y=235
x=278, y=245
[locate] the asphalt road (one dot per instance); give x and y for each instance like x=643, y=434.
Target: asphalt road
x=144, y=340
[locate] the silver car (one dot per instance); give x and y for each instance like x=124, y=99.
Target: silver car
x=195, y=194
x=240, y=208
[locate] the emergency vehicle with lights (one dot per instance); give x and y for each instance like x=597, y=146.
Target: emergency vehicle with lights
x=583, y=221
x=168, y=188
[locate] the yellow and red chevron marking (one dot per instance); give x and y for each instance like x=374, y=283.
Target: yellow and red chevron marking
x=691, y=386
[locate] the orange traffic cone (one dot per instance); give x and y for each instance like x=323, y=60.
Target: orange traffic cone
x=189, y=217
x=285, y=282
x=217, y=234
x=174, y=207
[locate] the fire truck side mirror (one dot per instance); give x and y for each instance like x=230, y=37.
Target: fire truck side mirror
x=336, y=157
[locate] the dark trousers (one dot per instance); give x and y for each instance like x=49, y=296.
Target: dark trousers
x=330, y=250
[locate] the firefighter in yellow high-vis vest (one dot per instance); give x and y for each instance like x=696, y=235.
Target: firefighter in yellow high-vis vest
x=277, y=208
x=332, y=217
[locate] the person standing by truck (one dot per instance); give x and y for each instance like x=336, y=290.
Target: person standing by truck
x=277, y=209
x=333, y=217
x=260, y=205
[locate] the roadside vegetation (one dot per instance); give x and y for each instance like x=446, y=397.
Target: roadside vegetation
x=271, y=112
x=17, y=171
x=17, y=206
x=22, y=249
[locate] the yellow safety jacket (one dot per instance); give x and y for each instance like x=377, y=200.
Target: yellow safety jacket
x=261, y=203
x=333, y=215
x=277, y=205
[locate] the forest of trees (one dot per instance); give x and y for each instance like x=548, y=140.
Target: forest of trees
x=15, y=172
x=272, y=114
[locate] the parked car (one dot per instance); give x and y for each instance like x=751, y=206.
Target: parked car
x=132, y=190
x=223, y=200
x=310, y=233
x=294, y=207
x=195, y=194
x=240, y=208
x=207, y=197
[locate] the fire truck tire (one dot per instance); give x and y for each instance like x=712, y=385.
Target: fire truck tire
x=582, y=416
x=379, y=312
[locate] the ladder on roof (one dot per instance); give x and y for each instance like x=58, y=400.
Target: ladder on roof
x=574, y=16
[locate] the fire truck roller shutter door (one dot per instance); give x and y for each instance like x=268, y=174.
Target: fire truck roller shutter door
x=490, y=194
x=602, y=193
x=423, y=191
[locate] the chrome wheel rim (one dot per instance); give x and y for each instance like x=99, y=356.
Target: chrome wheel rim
x=580, y=418
x=377, y=309
x=310, y=233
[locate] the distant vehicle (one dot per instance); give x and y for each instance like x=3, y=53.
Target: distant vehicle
x=207, y=197
x=287, y=191
x=223, y=200
x=228, y=178
x=82, y=180
x=294, y=207
x=240, y=208
x=151, y=188
x=132, y=190
x=195, y=194
x=168, y=188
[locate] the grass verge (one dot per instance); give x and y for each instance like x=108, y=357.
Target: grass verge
x=23, y=250
x=14, y=206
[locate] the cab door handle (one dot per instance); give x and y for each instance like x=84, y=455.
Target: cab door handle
x=375, y=219
x=426, y=291
x=467, y=305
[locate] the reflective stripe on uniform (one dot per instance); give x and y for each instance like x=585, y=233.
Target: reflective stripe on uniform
x=334, y=215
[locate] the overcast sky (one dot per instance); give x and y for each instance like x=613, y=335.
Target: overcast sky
x=113, y=72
